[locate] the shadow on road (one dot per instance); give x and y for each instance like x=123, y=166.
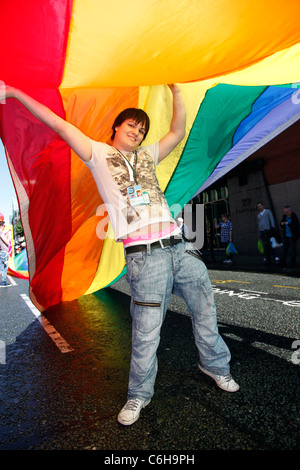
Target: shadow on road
x=51, y=400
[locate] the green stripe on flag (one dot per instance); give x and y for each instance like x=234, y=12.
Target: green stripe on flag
x=211, y=136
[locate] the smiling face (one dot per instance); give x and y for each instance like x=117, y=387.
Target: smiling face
x=129, y=135
x=130, y=129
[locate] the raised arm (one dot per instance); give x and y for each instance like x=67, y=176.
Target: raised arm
x=78, y=141
x=178, y=123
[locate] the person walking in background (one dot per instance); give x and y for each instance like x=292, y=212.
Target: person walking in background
x=266, y=224
x=226, y=235
x=4, y=256
x=290, y=226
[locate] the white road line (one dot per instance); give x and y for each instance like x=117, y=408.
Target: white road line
x=12, y=281
x=50, y=330
x=254, y=291
x=253, y=295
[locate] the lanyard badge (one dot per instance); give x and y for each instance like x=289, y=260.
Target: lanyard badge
x=137, y=196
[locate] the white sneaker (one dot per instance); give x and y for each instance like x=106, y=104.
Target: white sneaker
x=131, y=411
x=224, y=382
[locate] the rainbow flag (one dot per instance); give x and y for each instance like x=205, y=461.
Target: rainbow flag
x=238, y=66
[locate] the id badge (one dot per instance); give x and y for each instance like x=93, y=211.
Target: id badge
x=137, y=197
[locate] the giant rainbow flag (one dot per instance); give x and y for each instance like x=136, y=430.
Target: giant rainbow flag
x=238, y=63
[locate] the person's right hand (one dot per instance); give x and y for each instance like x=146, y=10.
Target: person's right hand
x=5, y=92
x=2, y=92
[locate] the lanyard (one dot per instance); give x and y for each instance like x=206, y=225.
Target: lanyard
x=131, y=169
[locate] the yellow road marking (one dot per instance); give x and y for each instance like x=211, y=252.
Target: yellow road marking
x=228, y=280
x=287, y=287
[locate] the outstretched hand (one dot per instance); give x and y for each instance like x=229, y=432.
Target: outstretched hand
x=2, y=93
x=5, y=92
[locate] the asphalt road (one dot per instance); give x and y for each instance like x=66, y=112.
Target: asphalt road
x=63, y=375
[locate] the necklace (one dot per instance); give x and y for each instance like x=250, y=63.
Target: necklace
x=131, y=169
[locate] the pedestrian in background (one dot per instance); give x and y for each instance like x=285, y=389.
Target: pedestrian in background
x=290, y=226
x=226, y=235
x=4, y=256
x=266, y=225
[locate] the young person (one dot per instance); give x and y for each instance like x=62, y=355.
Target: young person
x=226, y=235
x=159, y=261
x=4, y=255
x=290, y=226
x=266, y=224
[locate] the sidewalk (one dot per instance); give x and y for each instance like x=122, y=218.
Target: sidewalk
x=248, y=262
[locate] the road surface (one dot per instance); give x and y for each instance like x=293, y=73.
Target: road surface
x=63, y=374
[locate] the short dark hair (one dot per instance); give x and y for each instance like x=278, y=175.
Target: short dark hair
x=138, y=115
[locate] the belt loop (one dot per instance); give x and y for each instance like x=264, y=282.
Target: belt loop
x=148, y=249
x=161, y=244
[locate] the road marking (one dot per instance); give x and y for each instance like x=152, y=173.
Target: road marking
x=50, y=330
x=228, y=280
x=242, y=294
x=254, y=291
x=287, y=287
x=223, y=281
x=12, y=281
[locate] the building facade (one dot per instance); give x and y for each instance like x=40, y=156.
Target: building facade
x=271, y=175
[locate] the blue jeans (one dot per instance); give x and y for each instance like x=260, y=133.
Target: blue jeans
x=265, y=235
x=153, y=277
x=289, y=243
x=3, y=264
